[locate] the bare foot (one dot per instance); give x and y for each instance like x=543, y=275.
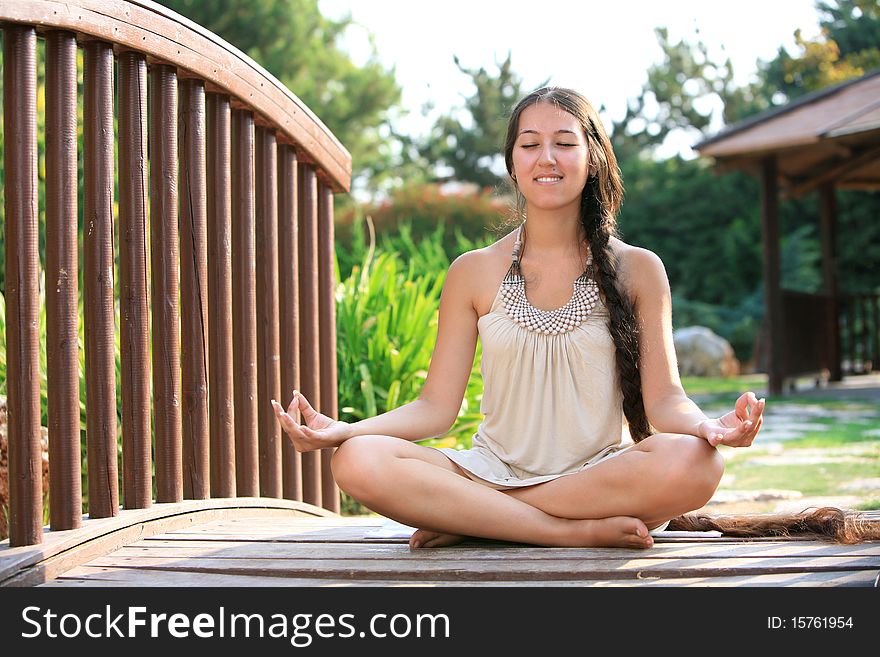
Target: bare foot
x=424, y=538
x=618, y=531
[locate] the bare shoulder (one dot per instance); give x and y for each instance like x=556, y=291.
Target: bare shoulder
x=478, y=273
x=640, y=270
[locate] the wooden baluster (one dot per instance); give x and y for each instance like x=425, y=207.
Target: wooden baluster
x=268, y=358
x=22, y=286
x=194, y=290
x=62, y=283
x=244, y=305
x=220, y=371
x=98, y=280
x=134, y=310
x=310, y=373
x=327, y=333
x=166, y=291
x=288, y=290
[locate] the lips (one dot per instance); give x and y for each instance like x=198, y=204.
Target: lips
x=548, y=180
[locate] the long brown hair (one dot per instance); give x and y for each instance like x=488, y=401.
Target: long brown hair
x=600, y=203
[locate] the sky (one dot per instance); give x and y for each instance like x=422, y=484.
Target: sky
x=600, y=48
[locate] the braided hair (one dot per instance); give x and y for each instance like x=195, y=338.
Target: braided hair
x=600, y=203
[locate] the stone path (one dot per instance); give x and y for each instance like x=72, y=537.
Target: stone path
x=785, y=421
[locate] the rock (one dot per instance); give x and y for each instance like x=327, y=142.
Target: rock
x=701, y=352
x=4, y=468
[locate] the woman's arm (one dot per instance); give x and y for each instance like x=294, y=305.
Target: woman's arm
x=434, y=412
x=667, y=406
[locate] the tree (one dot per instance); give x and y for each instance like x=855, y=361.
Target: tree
x=299, y=46
x=471, y=149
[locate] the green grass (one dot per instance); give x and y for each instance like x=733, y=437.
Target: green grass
x=842, y=433
x=870, y=505
x=703, y=385
x=815, y=479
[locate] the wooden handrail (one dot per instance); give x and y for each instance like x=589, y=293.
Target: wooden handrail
x=166, y=36
x=226, y=180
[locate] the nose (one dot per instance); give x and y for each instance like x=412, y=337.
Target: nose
x=547, y=156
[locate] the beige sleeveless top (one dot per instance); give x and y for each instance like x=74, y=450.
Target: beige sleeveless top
x=552, y=402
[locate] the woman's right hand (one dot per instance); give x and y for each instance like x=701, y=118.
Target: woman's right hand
x=318, y=432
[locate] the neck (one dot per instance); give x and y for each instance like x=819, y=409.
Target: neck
x=554, y=235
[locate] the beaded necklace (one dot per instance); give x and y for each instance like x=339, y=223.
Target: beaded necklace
x=548, y=322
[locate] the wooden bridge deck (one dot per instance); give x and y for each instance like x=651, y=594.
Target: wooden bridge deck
x=327, y=550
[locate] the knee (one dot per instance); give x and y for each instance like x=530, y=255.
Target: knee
x=355, y=464
x=695, y=466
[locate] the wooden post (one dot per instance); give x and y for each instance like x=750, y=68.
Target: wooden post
x=166, y=287
x=98, y=279
x=772, y=274
x=244, y=306
x=134, y=305
x=268, y=358
x=62, y=295
x=310, y=358
x=327, y=314
x=288, y=290
x=830, y=278
x=220, y=368
x=194, y=290
x=22, y=292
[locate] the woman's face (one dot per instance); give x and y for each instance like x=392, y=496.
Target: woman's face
x=550, y=158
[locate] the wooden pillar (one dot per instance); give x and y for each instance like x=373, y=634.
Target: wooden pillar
x=194, y=289
x=830, y=279
x=244, y=306
x=310, y=357
x=98, y=321
x=288, y=305
x=220, y=366
x=772, y=274
x=22, y=296
x=327, y=337
x=165, y=283
x=134, y=303
x=62, y=298
x=268, y=356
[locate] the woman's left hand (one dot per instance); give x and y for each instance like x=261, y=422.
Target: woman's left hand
x=737, y=428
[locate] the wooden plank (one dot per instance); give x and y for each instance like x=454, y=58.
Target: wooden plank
x=157, y=519
x=385, y=550
x=91, y=576
x=478, y=569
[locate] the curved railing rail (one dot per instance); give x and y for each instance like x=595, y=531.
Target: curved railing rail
x=226, y=180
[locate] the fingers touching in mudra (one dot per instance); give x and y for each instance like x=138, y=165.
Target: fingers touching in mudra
x=739, y=427
x=317, y=431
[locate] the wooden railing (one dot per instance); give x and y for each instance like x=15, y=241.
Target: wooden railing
x=227, y=180
x=860, y=333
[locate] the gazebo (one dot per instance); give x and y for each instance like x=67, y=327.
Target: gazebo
x=823, y=141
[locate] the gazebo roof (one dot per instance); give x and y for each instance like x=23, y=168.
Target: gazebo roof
x=831, y=135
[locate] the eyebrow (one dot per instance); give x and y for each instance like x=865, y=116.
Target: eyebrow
x=530, y=130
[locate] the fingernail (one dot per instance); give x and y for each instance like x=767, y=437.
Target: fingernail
x=748, y=423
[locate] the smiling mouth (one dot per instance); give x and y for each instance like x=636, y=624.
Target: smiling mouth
x=548, y=180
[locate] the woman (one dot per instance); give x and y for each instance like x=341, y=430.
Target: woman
x=568, y=377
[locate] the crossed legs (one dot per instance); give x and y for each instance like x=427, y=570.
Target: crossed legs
x=612, y=503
